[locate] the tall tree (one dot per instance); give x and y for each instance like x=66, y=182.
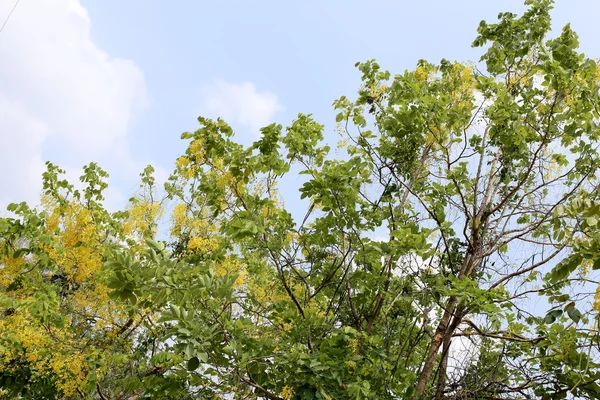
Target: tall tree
x=447, y=253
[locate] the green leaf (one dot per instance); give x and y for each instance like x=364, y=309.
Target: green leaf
x=564, y=268
x=202, y=356
x=552, y=316
x=193, y=363
x=21, y=252
x=175, y=311
x=573, y=312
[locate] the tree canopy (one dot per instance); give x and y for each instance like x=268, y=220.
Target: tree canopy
x=447, y=250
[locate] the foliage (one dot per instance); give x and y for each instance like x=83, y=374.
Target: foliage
x=447, y=252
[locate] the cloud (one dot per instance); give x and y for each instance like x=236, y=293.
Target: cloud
x=21, y=138
x=242, y=104
x=61, y=97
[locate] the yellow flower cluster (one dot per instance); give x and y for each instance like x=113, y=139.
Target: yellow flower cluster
x=421, y=74
x=258, y=291
x=203, y=233
x=291, y=236
x=585, y=268
x=79, y=255
x=70, y=372
x=353, y=346
x=10, y=269
x=465, y=86
x=190, y=164
x=597, y=299
x=343, y=143
x=77, y=251
x=265, y=212
x=287, y=392
x=179, y=219
x=350, y=366
x=286, y=326
x=262, y=289
x=196, y=149
x=224, y=179
x=50, y=355
x=143, y=219
x=232, y=266
x=191, y=171
x=95, y=304
x=202, y=245
x=182, y=162
x=377, y=89
x=313, y=307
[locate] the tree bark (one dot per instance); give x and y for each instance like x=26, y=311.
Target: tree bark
x=441, y=384
x=445, y=329
x=436, y=343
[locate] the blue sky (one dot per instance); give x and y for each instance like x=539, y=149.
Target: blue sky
x=117, y=81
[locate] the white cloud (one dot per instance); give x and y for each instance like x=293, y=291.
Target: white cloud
x=61, y=97
x=20, y=154
x=241, y=104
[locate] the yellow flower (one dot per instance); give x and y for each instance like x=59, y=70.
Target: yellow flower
x=77, y=242
x=287, y=392
x=219, y=164
x=354, y=345
x=182, y=162
x=202, y=245
x=597, y=299
x=190, y=172
x=376, y=89
x=11, y=269
x=286, y=327
x=421, y=74
x=342, y=143
x=232, y=266
x=290, y=236
x=197, y=149
x=143, y=218
x=350, y=366
x=179, y=219
x=225, y=179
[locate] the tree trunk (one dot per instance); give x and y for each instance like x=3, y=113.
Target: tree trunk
x=436, y=343
x=445, y=330
x=441, y=384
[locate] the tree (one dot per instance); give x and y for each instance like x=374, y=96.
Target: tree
x=464, y=194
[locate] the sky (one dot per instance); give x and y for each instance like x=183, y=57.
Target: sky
x=118, y=81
